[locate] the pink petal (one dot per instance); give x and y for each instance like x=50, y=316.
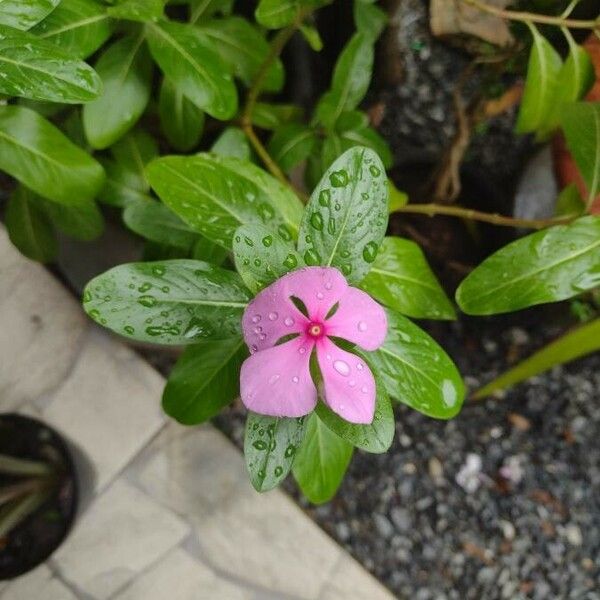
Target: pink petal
x=348, y=384
x=359, y=319
x=272, y=315
x=277, y=381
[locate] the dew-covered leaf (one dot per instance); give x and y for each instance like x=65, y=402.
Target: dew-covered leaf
x=24, y=14
x=137, y=10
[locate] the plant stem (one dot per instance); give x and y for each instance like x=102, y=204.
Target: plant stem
x=475, y=215
x=277, y=45
x=529, y=17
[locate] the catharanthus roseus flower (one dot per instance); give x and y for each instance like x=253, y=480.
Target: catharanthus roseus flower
x=275, y=380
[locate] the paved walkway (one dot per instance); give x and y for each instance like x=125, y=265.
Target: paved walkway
x=167, y=512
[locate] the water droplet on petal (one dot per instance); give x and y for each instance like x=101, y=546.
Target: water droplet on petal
x=328, y=285
x=288, y=321
x=273, y=316
x=342, y=367
x=302, y=350
x=257, y=329
x=295, y=379
x=360, y=366
x=256, y=319
x=362, y=326
x=352, y=383
x=320, y=295
x=273, y=379
x=364, y=389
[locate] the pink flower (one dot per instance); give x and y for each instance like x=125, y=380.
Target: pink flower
x=275, y=380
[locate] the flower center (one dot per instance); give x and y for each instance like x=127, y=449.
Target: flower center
x=315, y=329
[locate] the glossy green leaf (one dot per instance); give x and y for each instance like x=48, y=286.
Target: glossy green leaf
x=376, y=437
x=36, y=153
x=189, y=59
x=232, y=142
x=137, y=10
x=122, y=185
x=204, y=380
x=416, y=371
x=154, y=221
x=578, y=342
x=540, y=86
x=321, y=462
x=208, y=251
x=29, y=228
x=36, y=69
x=276, y=14
x=262, y=256
x=354, y=130
x=134, y=151
x=181, y=120
x=82, y=222
x=569, y=202
x=271, y=116
x=581, y=124
x=291, y=144
x=126, y=72
x=79, y=27
x=24, y=14
x=311, y=34
x=216, y=194
x=346, y=217
x=244, y=49
x=546, y=266
x=369, y=18
x=202, y=10
x=401, y=279
x=171, y=302
x=270, y=446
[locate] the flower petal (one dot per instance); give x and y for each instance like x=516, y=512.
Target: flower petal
x=272, y=315
x=348, y=384
x=277, y=381
x=359, y=319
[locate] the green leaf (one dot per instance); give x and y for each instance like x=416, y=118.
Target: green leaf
x=569, y=202
x=39, y=70
x=346, y=217
x=134, y=151
x=126, y=72
x=122, y=185
x=354, y=130
x=270, y=446
x=204, y=380
x=137, y=10
x=188, y=58
x=312, y=37
x=36, y=153
x=572, y=345
x=275, y=14
x=29, y=229
x=79, y=27
x=202, y=10
x=401, y=279
x=271, y=116
x=321, y=462
x=581, y=124
x=154, y=221
x=22, y=14
x=351, y=78
x=216, y=194
x=82, y=222
x=369, y=19
x=416, y=371
x=208, y=251
x=232, y=142
x=376, y=437
x=540, y=86
x=181, y=120
x=262, y=256
x=244, y=49
x=172, y=302
x=291, y=144
x=398, y=198
x=546, y=266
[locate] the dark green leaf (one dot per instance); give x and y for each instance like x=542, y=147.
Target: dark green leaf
x=416, y=371
x=546, y=266
x=215, y=195
x=270, y=446
x=276, y=14
x=181, y=120
x=82, y=222
x=369, y=18
x=569, y=202
x=208, y=251
x=271, y=116
x=134, y=151
x=355, y=132
x=29, y=229
x=401, y=279
x=122, y=185
x=291, y=144
x=204, y=380
x=36, y=153
x=262, y=256
x=137, y=10
x=345, y=220
x=36, y=69
x=244, y=49
x=321, y=462
x=126, y=72
x=232, y=142
x=79, y=27
x=24, y=14
x=201, y=10
x=172, y=302
x=188, y=58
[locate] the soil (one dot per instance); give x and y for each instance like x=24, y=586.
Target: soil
x=36, y=538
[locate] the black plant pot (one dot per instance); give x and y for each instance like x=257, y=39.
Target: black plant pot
x=36, y=537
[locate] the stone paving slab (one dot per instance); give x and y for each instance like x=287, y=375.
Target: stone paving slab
x=168, y=511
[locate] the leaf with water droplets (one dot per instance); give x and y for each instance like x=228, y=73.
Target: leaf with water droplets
x=546, y=266
x=171, y=302
x=204, y=380
x=346, y=217
x=22, y=14
x=322, y=461
x=270, y=447
x=262, y=256
x=416, y=371
x=401, y=279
